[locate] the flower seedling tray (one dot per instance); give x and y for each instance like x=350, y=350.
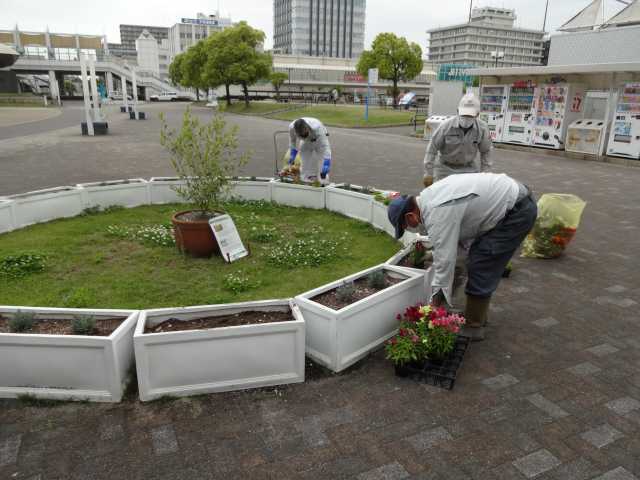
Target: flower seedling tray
x=441, y=375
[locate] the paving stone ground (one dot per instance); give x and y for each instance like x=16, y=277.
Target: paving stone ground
x=552, y=394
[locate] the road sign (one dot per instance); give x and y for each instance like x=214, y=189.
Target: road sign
x=373, y=75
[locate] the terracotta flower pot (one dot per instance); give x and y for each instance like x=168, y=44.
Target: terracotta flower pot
x=194, y=236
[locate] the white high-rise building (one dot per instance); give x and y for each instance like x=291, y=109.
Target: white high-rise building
x=320, y=28
x=191, y=30
x=489, y=38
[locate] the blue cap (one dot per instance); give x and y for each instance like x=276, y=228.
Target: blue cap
x=396, y=212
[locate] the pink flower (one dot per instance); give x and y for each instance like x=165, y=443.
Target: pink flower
x=399, y=317
x=415, y=339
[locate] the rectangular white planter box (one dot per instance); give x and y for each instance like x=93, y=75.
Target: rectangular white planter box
x=161, y=191
x=427, y=274
x=126, y=193
x=347, y=202
x=45, y=205
x=6, y=215
x=379, y=218
x=295, y=195
x=67, y=367
x=339, y=338
x=247, y=189
x=219, y=359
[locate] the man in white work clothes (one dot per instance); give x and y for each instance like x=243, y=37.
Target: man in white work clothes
x=494, y=213
x=309, y=137
x=456, y=144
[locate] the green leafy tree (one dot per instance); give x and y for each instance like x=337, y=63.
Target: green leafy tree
x=175, y=70
x=277, y=79
x=234, y=57
x=68, y=88
x=193, y=67
x=396, y=59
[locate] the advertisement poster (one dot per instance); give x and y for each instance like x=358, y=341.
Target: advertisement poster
x=576, y=105
x=226, y=233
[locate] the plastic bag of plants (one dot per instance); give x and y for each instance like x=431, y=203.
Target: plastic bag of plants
x=558, y=220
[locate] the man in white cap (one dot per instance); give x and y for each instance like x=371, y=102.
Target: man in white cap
x=310, y=138
x=455, y=145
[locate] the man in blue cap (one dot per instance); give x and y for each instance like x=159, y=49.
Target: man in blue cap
x=493, y=212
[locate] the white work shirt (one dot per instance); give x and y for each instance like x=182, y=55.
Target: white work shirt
x=316, y=143
x=452, y=151
x=459, y=209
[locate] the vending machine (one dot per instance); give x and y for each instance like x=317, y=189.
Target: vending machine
x=493, y=100
x=624, y=139
x=520, y=114
x=556, y=107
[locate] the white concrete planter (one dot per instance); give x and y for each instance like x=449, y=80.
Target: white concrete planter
x=295, y=195
x=67, y=367
x=45, y=205
x=339, y=338
x=126, y=193
x=220, y=359
x=427, y=274
x=6, y=215
x=353, y=204
x=379, y=218
x=161, y=191
x=246, y=188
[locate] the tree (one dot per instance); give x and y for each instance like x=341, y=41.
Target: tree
x=234, y=57
x=277, y=80
x=68, y=88
x=175, y=70
x=396, y=59
x=193, y=67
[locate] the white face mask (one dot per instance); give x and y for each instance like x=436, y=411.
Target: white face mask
x=466, y=122
x=420, y=230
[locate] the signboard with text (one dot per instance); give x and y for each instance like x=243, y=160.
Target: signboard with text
x=201, y=21
x=455, y=72
x=229, y=241
x=354, y=77
x=373, y=76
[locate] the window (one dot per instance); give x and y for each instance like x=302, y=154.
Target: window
x=65, y=53
x=89, y=52
x=36, y=51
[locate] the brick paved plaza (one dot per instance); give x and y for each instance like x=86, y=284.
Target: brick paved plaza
x=553, y=393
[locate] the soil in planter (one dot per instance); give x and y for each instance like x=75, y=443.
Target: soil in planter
x=362, y=290
x=350, y=188
x=407, y=261
x=57, y=326
x=196, y=216
x=235, y=320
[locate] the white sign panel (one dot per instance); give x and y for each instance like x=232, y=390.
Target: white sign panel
x=373, y=75
x=228, y=238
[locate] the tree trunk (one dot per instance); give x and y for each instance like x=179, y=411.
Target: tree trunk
x=245, y=90
x=226, y=86
x=277, y=94
x=197, y=94
x=395, y=93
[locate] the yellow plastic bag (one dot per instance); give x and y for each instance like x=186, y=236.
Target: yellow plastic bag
x=558, y=220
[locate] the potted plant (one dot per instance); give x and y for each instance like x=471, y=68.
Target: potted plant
x=204, y=157
x=345, y=323
x=292, y=191
x=217, y=348
x=426, y=342
x=65, y=354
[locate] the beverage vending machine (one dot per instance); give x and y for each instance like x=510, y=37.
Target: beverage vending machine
x=624, y=139
x=493, y=99
x=520, y=115
x=556, y=107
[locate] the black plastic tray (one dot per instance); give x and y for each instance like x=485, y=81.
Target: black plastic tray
x=441, y=375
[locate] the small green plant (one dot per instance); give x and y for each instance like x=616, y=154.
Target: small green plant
x=205, y=157
x=22, y=322
x=237, y=283
x=91, y=211
x=380, y=197
x=83, y=324
x=81, y=297
x=18, y=266
x=160, y=235
x=345, y=292
x=417, y=258
x=377, y=280
x=304, y=253
x=263, y=234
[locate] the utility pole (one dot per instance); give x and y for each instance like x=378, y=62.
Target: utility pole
x=546, y=10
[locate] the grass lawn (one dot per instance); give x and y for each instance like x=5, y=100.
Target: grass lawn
x=86, y=266
x=255, y=108
x=348, y=116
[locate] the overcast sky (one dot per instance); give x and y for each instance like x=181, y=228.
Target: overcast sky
x=409, y=18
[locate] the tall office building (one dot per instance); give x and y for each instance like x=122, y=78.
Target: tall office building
x=191, y=30
x=320, y=28
x=490, y=29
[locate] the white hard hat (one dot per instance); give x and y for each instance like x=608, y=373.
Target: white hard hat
x=469, y=105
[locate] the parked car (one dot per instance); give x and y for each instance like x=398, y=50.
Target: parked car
x=165, y=97
x=118, y=96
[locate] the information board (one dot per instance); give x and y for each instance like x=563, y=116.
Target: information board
x=229, y=241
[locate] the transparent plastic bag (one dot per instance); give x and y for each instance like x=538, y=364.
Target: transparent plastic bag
x=558, y=219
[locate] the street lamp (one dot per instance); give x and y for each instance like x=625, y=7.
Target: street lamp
x=497, y=55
